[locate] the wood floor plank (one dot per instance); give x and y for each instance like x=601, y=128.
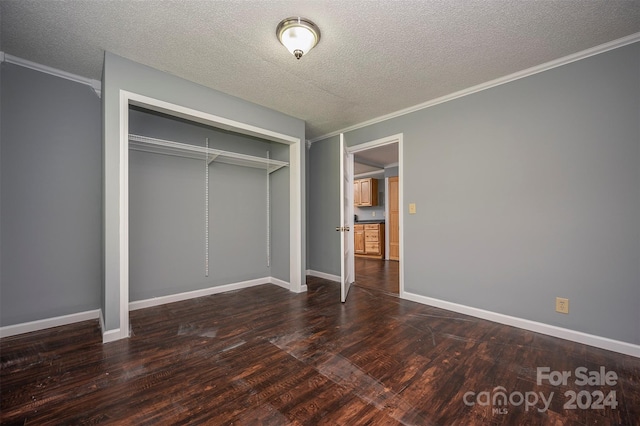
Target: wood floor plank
x=266, y=356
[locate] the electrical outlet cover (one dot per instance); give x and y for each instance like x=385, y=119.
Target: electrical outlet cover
x=562, y=305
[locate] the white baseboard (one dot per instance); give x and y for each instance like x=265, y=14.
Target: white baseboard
x=326, y=276
x=27, y=327
x=112, y=335
x=280, y=283
x=284, y=284
x=101, y=319
x=156, y=301
x=538, y=327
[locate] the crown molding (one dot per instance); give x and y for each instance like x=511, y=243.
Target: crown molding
x=602, y=48
x=369, y=163
x=369, y=174
x=96, y=85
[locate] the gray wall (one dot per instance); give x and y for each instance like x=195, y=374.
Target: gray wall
x=122, y=74
x=391, y=171
x=50, y=196
x=324, y=206
x=525, y=192
x=166, y=211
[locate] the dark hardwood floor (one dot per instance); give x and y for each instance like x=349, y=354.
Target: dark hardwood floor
x=377, y=274
x=264, y=355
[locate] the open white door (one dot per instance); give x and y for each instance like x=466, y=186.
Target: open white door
x=347, y=267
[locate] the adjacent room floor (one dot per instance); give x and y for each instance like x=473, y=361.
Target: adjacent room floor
x=378, y=274
x=264, y=355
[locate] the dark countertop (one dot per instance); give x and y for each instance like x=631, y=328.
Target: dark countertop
x=369, y=221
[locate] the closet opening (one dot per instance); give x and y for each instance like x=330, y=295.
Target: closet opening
x=253, y=169
x=199, y=207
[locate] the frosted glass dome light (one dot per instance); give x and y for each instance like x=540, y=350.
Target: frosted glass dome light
x=298, y=35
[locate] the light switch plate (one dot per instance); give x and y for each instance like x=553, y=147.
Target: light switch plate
x=412, y=208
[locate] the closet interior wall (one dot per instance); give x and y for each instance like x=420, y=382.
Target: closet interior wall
x=167, y=210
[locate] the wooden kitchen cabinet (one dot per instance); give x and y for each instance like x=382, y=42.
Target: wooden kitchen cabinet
x=358, y=246
x=372, y=238
x=365, y=192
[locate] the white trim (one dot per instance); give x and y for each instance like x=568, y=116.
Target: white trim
x=28, y=327
x=286, y=285
x=111, y=335
x=386, y=218
x=492, y=83
x=369, y=163
x=295, y=219
x=388, y=140
x=401, y=213
x=101, y=320
x=279, y=282
x=124, y=216
x=94, y=84
x=323, y=275
x=369, y=174
x=347, y=249
x=206, y=118
x=538, y=327
x=295, y=189
x=388, y=166
x=178, y=297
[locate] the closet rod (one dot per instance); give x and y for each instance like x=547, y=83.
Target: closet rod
x=161, y=146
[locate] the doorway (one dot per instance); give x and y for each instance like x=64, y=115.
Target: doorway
x=377, y=222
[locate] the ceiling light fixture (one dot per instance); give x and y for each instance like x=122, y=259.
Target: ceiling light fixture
x=298, y=35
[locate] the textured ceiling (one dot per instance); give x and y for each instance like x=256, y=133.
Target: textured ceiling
x=379, y=157
x=374, y=58
x=375, y=160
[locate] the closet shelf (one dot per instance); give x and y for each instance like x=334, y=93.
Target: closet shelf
x=160, y=146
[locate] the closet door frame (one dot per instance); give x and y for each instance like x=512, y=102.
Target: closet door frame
x=128, y=98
